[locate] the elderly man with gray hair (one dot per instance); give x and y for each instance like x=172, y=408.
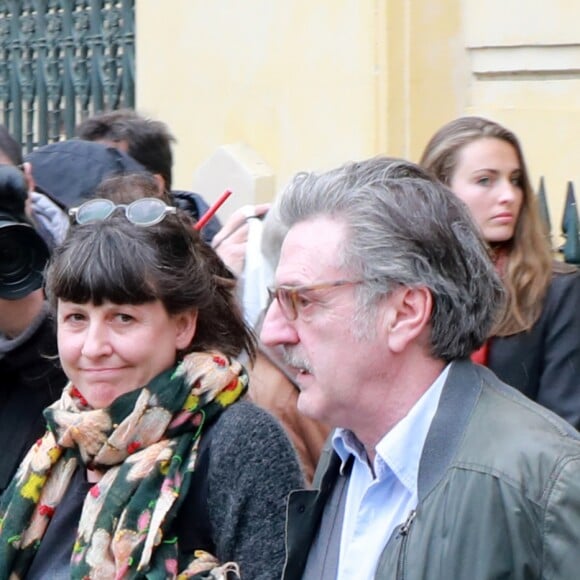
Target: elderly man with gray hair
x=435, y=468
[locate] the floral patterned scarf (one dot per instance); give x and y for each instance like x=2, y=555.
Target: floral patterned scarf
x=145, y=444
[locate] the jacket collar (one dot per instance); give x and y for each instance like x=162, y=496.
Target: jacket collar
x=460, y=394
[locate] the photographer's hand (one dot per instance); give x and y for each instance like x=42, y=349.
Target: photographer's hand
x=230, y=242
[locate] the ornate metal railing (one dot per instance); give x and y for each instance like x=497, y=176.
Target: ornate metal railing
x=61, y=61
x=570, y=249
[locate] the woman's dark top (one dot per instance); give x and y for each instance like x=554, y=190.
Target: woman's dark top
x=544, y=362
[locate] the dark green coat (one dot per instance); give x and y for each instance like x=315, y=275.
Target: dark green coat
x=499, y=492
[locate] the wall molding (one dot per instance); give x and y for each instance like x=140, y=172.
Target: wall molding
x=526, y=62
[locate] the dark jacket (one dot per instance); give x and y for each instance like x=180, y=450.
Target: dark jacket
x=30, y=380
x=197, y=206
x=499, y=492
x=544, y=363
x=69, y=172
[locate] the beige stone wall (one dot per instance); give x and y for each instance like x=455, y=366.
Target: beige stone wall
x=311, y=84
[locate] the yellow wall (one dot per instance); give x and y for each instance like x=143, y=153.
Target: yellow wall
x=525, y=72
x=294, y=80
x=429, y=78
x=307, y=85
x=312, y=84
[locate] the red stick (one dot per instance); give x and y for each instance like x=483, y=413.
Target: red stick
x=211, y=211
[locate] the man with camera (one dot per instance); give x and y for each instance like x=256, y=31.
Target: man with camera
x=30, y=378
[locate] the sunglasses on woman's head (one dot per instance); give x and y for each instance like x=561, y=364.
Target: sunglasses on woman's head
x=147, y=211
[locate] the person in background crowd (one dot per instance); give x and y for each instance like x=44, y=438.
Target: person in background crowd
x=30, y=378
x=149, y=142
x=152, y=465
x=50, y=222
x=436, y=469
x=231, y=242
x=535, y=344
x=128, y=188
x=68, y=172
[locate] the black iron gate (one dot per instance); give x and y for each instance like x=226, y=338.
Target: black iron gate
x=61, y=61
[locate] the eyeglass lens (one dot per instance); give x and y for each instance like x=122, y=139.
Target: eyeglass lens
x=146, y=211
x=290, y=300
x=94, y=210
x=285, y=299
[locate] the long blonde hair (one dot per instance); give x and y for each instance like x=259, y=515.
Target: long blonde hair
x=530, y=264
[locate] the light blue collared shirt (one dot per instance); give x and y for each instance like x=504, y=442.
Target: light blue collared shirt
x=376, y=505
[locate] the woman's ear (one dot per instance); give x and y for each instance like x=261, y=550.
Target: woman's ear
x=185, y=325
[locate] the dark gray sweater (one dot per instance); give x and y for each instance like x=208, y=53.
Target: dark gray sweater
x=252, y=468
x=245, y=471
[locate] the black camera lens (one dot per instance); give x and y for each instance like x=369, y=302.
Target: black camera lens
x=23, y=255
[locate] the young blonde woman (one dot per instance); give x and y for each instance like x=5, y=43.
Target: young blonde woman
x=535, y=345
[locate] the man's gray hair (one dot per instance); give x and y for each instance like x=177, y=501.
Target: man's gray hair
x=406, y=229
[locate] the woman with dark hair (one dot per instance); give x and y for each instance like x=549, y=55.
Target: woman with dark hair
x=535, y=345
x=152, y=466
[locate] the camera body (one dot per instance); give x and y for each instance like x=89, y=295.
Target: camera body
x=23, y=252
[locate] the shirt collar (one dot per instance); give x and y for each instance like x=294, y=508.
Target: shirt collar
x=399, y=451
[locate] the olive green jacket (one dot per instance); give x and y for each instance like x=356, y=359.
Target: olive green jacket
x=499, y=493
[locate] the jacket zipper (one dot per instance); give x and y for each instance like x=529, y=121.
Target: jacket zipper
x=404, y=534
